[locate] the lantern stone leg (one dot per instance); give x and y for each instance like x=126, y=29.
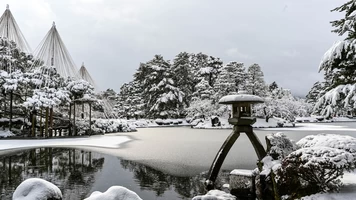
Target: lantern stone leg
x=220, y=157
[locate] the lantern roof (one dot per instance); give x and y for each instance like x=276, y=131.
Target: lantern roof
x=240, y=97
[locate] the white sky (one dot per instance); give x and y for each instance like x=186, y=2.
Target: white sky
x=286, y=37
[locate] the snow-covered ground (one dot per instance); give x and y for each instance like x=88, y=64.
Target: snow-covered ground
x=104, y=141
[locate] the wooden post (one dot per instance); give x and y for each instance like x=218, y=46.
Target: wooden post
x=70, y=121
x=10, y=116
x=74, y=128
x=4, y=108
x=51, y=122
x=33, y=122
x=41, y=128
x=89, y=118
x=46, y=123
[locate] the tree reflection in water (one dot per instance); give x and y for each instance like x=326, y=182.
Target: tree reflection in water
x=74, y=172
x=151, y=179
x=70, y=169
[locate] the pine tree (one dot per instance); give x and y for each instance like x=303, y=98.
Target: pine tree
x=272, y=86
x=183, y=75
x=255, y=82
x=315, y=93
x=231, y=79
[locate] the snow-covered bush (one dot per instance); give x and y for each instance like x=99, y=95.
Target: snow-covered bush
x=342, y=142
x=37, y=189
x=311, y=170
x=279, y=146
x=114, y=193
x=111, y=126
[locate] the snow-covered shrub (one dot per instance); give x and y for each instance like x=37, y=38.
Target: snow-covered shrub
x=279, y=146
x=114, y=193
x=111, y=126
x=37, y=189
x=311, y=170
x=343, y=142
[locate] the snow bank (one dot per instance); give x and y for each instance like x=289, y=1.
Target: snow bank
x=103, y=141
x=114, y=193
x=215, y=195
x=37, y=189
x=7, y=133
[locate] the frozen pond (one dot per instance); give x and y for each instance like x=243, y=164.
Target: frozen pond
x=159, y=163
x=78, y=173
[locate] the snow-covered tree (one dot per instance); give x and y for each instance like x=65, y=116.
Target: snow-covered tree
x=272, y=86
x=255, y=82
x=130, y=103
x=170, y=99
x=205, y=67
x=339, y=66
x=231, y=79
x=183, y=75
x=315, y=93
x=203, y=90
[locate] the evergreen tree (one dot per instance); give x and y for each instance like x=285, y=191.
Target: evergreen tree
x=255, y=82
x=315, y=93
x=148, y=76
x=339, y=66
x=169, y=101
x=183, y=75
x=205, y=67
x=231, y=79
x=272, y=86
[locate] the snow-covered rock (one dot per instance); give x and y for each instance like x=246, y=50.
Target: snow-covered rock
x=114, y=193
x=215, y=195
x=37, y=189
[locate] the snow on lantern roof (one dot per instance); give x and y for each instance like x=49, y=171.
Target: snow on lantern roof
x=240, y=97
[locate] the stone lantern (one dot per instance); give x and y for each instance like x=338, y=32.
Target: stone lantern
x=241, y=112
x=241, y=118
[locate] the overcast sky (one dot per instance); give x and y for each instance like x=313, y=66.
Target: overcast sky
x=287, y=38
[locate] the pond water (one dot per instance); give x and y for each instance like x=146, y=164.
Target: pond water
x=78, y=173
